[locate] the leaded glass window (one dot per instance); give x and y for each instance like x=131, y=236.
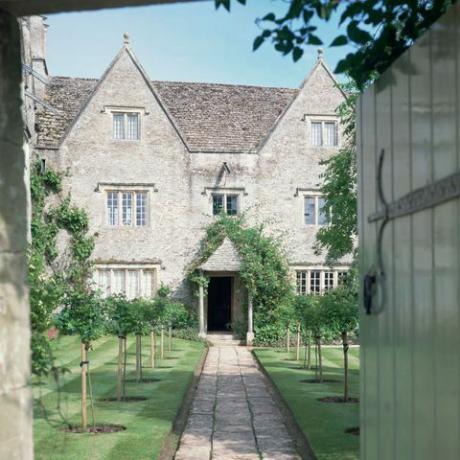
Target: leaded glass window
x=112, y=208
x=141, y=206
x=226, y=203
x=324, y=134
x=315, y=282
x=316, y=134
x=126, y=126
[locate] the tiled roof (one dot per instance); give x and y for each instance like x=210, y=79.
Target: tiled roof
x=67, y=96
x=225, y=258
x=209, y=117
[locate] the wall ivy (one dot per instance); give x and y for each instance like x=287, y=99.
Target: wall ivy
x=264, y=272
x=53, y=276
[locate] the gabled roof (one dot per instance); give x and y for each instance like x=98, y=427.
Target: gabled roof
x=209, y=117
x=225, y=258
x=67, y=96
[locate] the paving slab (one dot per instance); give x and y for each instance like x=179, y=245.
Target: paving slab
x=233, y=415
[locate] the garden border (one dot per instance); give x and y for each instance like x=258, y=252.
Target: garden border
x=171, y=442
x=302, y=444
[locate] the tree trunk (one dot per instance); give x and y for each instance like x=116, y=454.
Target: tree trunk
x=316, y=361
x=345, y=365
x=84, y=415
x=320, y=359
x=297, y=354
x=162, y=343
x=120, y=368
x=152, y=349
x=170, y=339
x=309, y=354
x=305, y=356
x=138, y=359
x=288, y=340
x=90, y=388
x=125, y=356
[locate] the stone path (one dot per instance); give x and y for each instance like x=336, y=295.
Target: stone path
x=233, y=415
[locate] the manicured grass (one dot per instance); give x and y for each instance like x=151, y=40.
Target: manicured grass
x=147, y=422
x=324, y=424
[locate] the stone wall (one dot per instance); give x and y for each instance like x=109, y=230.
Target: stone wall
x=181, y=182
x=15, y=394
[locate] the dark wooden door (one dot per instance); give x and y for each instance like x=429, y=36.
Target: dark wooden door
x=219, y=303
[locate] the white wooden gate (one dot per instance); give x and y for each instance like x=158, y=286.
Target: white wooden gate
x=410, y=389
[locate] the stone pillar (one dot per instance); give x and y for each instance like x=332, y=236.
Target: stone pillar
x=15, y=393
x=250, y=333
x=202, y=332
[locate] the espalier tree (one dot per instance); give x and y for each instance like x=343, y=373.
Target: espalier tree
x=54, y=276
x=59, y=279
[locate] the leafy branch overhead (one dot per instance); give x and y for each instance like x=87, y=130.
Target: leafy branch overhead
x=379, y=31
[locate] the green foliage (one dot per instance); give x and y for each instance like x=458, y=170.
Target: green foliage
x=331, y=314
x=264, y=271
x=340, y=306
x=140, y=316
x=54, y=284
x=310, y=310
x=341, y=312
x=379, y=31
x=83, y=314
x=118, y=315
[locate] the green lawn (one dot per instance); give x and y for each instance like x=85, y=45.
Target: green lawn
x=147, y=422
x=324, y=424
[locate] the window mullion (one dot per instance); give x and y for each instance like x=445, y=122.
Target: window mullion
x=141, y=283
x=134, y=218
x=316, y=210
x=112, y=280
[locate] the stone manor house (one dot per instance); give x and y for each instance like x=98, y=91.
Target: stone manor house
x=154, y=162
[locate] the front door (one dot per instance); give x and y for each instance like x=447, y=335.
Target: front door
x=219, y=303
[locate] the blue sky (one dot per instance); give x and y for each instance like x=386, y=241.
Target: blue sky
x=181, y=42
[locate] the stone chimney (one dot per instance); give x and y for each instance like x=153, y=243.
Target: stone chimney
x=37, y=46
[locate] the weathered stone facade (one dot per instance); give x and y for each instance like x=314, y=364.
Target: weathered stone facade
x=195, y=139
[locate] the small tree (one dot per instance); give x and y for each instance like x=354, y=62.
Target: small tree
x=340, y=308
x=139, y=326
x=152, y=316
x=83, y=314
x=119, y=323
x=170, y=313
x=313, y=321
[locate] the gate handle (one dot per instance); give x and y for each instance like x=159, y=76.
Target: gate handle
x=369, y=283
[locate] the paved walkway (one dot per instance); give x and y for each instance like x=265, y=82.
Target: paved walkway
x=233, y=415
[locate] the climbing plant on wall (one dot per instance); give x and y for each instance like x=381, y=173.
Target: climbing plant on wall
x=264, y=272
x=54, y=275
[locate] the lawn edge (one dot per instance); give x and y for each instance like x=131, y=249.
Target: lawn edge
x=302, y=444
x=171, y=442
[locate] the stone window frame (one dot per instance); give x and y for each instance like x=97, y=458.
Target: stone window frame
x=323, y=119
x=134, y=188
x=303, y=279
x=127, y=267
x=239, y=192
x=112, y=109
x=305, y=193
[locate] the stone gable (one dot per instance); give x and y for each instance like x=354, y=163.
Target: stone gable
x=225, y=258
